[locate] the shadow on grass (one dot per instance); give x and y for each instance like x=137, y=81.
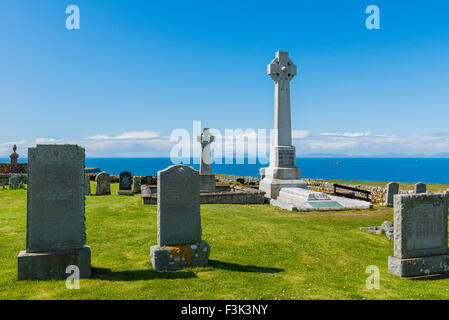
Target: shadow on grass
x=134, y=275
x=242, y=268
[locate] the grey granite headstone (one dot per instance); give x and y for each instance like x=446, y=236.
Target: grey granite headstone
x=420, y=235
x=14, y=181
x=179, y=220
x=55, y=213
x=125, y=183
x=87, y=189
x=137, y=183
x=392, y=189
x=420, y=188
x=103, y=181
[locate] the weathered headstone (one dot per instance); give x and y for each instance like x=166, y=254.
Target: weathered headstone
x=103, y=181
x=420, y=188
x=125, y=184
x=179, y=221
x=137, y=183
x=87, y=189
x=392, y=189
x=207, y=178
x=14, y=181
x=13, y=164
x=282, y=171
x=420, y=235
x=55, y=214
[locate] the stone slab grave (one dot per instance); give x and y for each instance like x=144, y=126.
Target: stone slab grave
x=282, y=171
x=300, y=199
x=420, y=236
x=56, y=233
x=207, y=178
x=125, y=184
x=179, y=221
x=103, y=181
x=420, y=188
x=392, y=190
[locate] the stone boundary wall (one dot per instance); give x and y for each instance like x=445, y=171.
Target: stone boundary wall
x=6, y=166
x=378, y=194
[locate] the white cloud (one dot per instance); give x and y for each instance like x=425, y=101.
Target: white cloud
x=299, y=134
x=347, y=134
x=127, y=135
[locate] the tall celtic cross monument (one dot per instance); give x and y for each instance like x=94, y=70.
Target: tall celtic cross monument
x=282, y=171
x=207, y=178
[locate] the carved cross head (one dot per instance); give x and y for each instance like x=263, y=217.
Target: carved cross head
x=281, y=68
x=205, y=138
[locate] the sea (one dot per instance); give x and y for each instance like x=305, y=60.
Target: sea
x=427, y=170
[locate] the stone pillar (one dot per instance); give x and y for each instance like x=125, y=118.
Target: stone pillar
x=392, y=189
x=282, y=171
x=56, y=233
x=207, y=178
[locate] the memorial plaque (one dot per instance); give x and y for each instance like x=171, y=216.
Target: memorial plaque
x=420, y=225
x=286, y=158
x=178, y=210
x=55, y=204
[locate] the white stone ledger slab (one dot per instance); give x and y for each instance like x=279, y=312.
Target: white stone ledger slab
x=282, y=171
x=300, y=199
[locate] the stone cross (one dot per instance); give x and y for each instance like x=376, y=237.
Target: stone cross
x=282, y=70
x=205, y=139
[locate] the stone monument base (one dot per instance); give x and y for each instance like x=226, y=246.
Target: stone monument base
x=179, y=257
x=273, y=179
x=207, y=182
x=125, y=193
x=418, y=267
x=52, y=265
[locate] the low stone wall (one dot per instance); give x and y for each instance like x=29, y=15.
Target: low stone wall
x=225, y=194
x=5, y=167
x=378, y=194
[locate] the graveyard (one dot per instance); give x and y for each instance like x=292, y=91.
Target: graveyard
x=258, y=251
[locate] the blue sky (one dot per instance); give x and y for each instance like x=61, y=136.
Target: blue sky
x=136, y=70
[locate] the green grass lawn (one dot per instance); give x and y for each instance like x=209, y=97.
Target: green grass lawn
x=257, y=252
